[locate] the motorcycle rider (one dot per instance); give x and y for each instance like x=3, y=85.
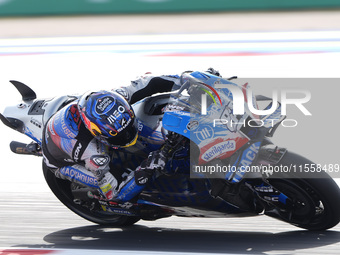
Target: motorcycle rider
x=77, y=139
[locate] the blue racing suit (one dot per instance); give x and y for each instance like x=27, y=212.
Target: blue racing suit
x=72, y=153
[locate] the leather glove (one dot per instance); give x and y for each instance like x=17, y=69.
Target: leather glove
x=155, y=161
x=214, y=72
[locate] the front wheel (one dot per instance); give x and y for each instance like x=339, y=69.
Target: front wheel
x=62, y=190
x=313, y=197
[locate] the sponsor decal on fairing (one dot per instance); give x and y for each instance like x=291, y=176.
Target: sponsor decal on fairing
x=219, y=149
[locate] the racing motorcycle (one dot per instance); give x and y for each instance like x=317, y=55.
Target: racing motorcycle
x=220, y=163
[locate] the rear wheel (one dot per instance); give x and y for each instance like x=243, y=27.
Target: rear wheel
x=314, y=197
x=62, y=190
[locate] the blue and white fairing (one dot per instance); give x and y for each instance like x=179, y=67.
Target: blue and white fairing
x=34, y=114
x=201, y=123
x=185, y=114
x=203, y=111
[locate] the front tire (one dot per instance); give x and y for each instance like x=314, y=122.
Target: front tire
x=62, y=190
x=315, y=196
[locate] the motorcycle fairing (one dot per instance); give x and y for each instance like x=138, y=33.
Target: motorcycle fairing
x=30, y=115
x=177, y=122
x=243, y=162
x=185, y=196
x=213, y=140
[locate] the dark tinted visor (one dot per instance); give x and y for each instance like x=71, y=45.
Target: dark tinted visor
x=125, y=137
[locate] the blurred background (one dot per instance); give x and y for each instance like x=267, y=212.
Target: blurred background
x=20, y=18
x=71, y=46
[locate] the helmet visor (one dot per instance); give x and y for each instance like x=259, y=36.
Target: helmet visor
x=125, y=138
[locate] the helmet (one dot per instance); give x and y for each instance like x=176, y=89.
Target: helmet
x=109, y=117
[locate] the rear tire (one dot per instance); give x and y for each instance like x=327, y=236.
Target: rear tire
x=62, y=190
x=315, y=195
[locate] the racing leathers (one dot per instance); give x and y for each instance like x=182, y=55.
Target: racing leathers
x=72, y=153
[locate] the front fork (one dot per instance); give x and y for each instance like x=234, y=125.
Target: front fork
x=269, y=157
x=251, y=177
